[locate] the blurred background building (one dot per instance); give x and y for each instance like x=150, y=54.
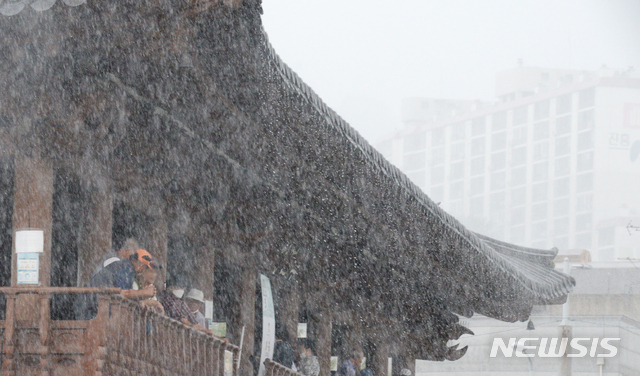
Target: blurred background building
x=553, y=162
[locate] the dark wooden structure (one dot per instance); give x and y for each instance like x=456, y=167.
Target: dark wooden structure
x=175, y=122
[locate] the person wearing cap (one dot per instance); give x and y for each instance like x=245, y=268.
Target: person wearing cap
x=195, y=300
x=127, y=249
x=120, y=274
x=174, y=306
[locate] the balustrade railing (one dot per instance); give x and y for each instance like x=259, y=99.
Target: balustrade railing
x=276, y=369
x=123, y=338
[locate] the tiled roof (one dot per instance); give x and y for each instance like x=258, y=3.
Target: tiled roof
x=13, y=7
x=532, y=268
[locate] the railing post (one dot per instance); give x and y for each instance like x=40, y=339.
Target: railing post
x=44, y=325
x=8, y=363
x=269, y=367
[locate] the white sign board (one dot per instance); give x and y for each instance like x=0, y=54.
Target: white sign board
x=228, y=363
x=28, y=268
x=334, y=363
x=29, y=241
x=268, y=323
x=302, y=330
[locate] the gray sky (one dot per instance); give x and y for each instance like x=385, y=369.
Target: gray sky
x=363, y=57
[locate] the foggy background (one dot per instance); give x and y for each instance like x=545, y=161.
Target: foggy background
x=364, y=57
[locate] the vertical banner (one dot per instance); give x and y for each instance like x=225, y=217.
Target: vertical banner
x=268, y=323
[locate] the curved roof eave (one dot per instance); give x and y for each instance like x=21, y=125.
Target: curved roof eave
x=525, y=265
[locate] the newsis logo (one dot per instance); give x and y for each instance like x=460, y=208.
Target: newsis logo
x=555, y=347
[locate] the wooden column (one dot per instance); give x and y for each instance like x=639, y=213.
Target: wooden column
x=158, y=245
x=320, y=331
x=288, y=308
x=379, y=359
x=243, y=314
x=33, y=205
x=96, y=237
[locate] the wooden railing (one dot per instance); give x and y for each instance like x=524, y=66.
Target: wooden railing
x=276, y=369
x=123, y=338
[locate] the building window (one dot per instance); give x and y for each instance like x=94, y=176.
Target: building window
x=519, y=176
x=437, y=156
x=458, y=132
x=415, y=142
x=561, y=207
x=585, y=141
x=477, y=126
x=587, y=98
x=583, y=222
x=539, y=212
x=437, y=193
x=540, y=171
x=517, y=234
x=519, y=135
x=518, y=196
x=437, y=137
x=583, y=241
x=520, y=115
x=418, y=178
x=561, y=242
x=539, y=231
x=563, y=145
x=477, y=207
x=585, y=120
x=563, y=104
x=499, y=121
x=561, y=187
x=517, y=216
x=477, y=185
x=497, y=203
x=457, y=170
x=477, y=166
x=477, y=146
x=584, y=203
x=498, y=161
x=584, y=183
x=539, y=192
x=457, y=151
x=606, y=236
x=585, y=162
x=540, y=151
x=541, y=110
x=561, y=226
x=519, y=156
x=563, y=125
x=457, y=190
x=562, y=167
x=498, y=180
x=540, y=130
x=437, y=175
x=498, y=141
x=416, y=161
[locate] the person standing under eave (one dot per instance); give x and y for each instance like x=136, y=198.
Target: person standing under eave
x=119, y=274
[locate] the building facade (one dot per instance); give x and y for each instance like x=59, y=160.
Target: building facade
x=552, y=164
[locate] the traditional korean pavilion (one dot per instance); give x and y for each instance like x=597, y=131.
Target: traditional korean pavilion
x=176, y=123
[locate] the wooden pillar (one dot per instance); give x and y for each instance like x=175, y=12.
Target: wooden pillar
x=243, y=314
x=96, y=237
x=158, y=245
x=379, y=361
x=33, y=206
x=320, y=331
x=287, y=309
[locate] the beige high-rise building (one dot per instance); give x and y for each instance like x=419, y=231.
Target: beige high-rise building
x=553, y=163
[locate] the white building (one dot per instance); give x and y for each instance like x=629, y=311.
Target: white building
x=554, y=163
